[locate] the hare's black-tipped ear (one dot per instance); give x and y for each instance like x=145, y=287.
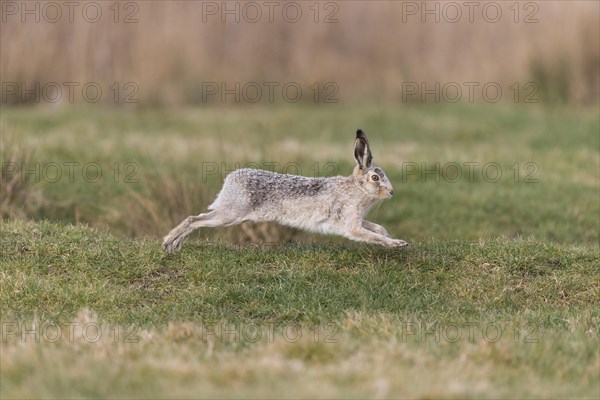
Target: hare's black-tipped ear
x=362, y=151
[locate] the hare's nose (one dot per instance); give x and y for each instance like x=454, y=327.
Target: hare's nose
x=392, y=192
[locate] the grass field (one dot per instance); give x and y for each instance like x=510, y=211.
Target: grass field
x=496, y=297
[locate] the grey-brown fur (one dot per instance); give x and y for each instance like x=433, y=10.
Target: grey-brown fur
x=261, y=185
x=335, y=205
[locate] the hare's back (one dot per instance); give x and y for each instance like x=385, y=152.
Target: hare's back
x=261, y=186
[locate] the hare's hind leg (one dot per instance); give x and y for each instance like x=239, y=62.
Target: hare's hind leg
x=174, y=239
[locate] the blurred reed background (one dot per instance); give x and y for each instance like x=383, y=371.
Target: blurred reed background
x=369, y=52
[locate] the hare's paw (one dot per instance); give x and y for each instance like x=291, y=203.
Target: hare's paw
x=398, y=243
x=167, y=244
x=172, y=244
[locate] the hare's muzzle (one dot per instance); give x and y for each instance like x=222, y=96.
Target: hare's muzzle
x=385, y=192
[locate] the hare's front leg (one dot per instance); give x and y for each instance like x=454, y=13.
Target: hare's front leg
x=376, y=228
x=364, y=235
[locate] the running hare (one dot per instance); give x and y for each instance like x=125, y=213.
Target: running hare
x=335, y=205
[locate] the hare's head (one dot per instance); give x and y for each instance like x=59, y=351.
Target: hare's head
x=371, y=179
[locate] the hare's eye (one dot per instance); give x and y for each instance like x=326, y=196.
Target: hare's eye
x=375, y=178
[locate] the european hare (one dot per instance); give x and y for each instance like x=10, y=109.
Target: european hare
x=335, y=205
